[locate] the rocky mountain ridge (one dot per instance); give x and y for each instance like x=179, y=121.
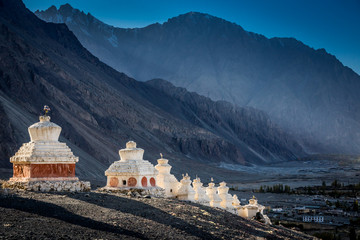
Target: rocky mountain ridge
x=307, y=92
x=99, y=109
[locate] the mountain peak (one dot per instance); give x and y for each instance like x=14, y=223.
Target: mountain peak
x=198, y=14
x=66, y=7
x=203, y=22
x=195, y=17
x=52, y=8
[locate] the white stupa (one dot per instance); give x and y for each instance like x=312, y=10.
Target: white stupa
x=185, y=191
x=226, y=198
x=211, y=192
x=44, y=157
x=236, y=203
x=165, y=179
x=250, y=210
x=44, y=163
x=200, y=193
x=131, y=171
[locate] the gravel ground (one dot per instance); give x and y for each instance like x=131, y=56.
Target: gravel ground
x=99, y=215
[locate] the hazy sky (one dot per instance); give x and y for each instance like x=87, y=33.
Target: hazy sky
x=330, y=24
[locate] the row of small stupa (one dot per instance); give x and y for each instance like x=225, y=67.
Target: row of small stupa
x=132, y=171
x=45, y=164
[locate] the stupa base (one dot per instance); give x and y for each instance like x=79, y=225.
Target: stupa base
x=53, y=179
x=43, y=170
x=49, y=185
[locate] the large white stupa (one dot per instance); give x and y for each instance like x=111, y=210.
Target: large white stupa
x=131, y=171
x=44, y=163
x=44, y=157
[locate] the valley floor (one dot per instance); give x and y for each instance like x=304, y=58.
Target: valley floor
x=99, y=215
x=296, y=173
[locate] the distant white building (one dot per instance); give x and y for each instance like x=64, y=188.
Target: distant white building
x=318, y=219
x=277, y=209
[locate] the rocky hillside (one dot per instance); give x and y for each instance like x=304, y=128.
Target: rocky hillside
x=241, y=125
x=307, y=92
x=101, y=109
x=97, y=215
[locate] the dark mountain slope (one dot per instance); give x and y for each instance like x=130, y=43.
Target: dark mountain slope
x=100, y=109
x=240, y=125
x=307, y=92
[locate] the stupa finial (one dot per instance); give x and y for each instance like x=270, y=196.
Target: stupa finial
x=161, y=155
x=130, y=145
x=46, y=110
x=212, y=179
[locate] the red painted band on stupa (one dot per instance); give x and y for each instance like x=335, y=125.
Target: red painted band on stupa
x=114, y=182
x=144, y=182
x=43, y=170
x=152, y=182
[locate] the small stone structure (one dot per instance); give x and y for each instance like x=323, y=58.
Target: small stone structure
x=250, y=210
x=185, y=191
x=211, y=192
x=131, y=171
x=165, y=179
x=236, y=204
x=226, y=198
x=44, y=163
x=200, y=193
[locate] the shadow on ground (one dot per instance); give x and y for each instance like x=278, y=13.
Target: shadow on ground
x=50, y=210
x=140, y=209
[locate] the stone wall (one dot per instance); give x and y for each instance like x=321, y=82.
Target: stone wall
x=50, y=186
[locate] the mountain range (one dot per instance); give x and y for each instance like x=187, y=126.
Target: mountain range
x=307, y=92
x=100, y=109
